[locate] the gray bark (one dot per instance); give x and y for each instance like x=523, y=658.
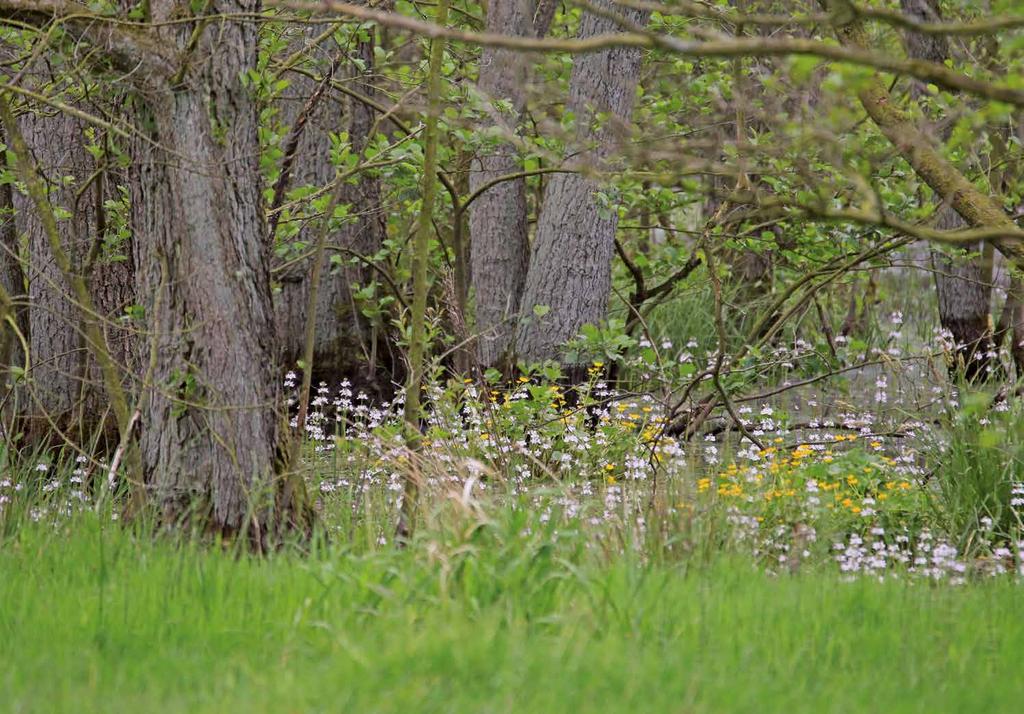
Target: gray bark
x=963, y=285
x=213, y=428
x=570, y=263
x=12, y=279
x=500, y=249
x=346, y=345
x=65, y=388
x=1011, y=322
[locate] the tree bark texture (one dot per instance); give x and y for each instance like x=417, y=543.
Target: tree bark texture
x=500, y=249
x=570, y=262
x=213, y=432
x=963, y=286
x=65, y=388
x=12, y=281
x=1011, y=323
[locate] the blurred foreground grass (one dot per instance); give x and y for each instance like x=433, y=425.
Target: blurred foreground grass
x=94, y=618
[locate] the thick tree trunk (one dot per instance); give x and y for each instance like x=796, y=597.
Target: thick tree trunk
x=964, y=289
x=213, y=435
x=500, y=249
x=570, y=263
x=964, y=285
x=12, y=281
x=65, y=388
x=346, y=345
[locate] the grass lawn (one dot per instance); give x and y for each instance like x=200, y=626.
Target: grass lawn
x=95, y=621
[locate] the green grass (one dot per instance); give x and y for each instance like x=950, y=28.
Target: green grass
x=979, y=471
x=95, y=621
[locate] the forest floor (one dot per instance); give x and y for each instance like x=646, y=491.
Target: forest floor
x=94, y=619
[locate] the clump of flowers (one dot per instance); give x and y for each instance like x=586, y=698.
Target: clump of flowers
x=791, y=500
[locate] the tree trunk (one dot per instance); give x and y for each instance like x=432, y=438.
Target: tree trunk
x=964, y=289
x=12, y=281
x=213, y=437
x=65, y=388
x=1011, y=323
x=1010, y=180
x=500, y=249
x=346, y=344
x=570, y=264
x=963, y=285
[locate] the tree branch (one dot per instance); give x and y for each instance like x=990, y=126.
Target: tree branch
x=706, y=11
x=719, y=46
x=128, y=49
x=978, y=209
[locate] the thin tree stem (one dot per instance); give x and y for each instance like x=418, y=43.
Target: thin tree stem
x=421, y=246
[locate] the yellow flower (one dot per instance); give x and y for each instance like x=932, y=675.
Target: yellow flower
x=801, y=452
